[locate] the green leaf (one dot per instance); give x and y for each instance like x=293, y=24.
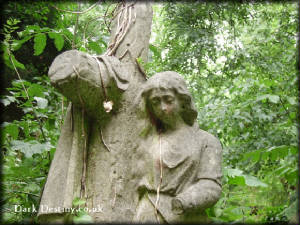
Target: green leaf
x=7, y=100
x=292, y=176
x=292, y=100
x=32, y=188
x=277, y=152
x=40, y=41
x=253, y=181
x=82, y=49
x=77, y=201
x=273, y=98
x=231, y=214
x=254, y=155
x=237, y=177
x=17, y=63
x=294, y=150
x=41, y=102
x=32, y=28
x=291, y=211
x=85, y=218
x=58, y=40
x=155, y=50
x=9, y=61
x=18, y=43
x=95, y=46
x=35, y=90
x=232, y=172
x=237, y=180
x=30, y=148
x=11, y=129
x=25, y=127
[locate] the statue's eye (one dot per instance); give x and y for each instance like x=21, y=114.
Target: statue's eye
x=155, y=101
x=169, y=99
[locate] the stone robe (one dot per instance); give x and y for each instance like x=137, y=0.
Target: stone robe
x=191, y=167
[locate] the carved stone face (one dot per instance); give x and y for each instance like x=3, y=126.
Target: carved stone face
x=165, y=105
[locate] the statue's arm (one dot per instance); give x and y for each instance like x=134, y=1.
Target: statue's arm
x=88, y=81
x=70, y=69
x=207, y=190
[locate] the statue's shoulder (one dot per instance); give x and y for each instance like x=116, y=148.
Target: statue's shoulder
x=208, y=138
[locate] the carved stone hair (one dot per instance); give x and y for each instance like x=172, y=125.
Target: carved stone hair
x=172, y=81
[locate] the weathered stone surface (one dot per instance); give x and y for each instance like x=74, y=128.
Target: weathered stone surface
x=114, y=160
x=87, y=83
x=190, y=157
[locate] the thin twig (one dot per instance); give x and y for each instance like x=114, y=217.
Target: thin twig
x=105, y=22
x=111, y=14
x=114, y=16
x=122, y=29
x=26, y=92
x=119, y=17
x=103, y=140
x=83, y=177
x=118, y=30
x=62, y=111
x=68, y=11
x=126, y=22
x=86, y=26
x=121, y=57
x=102, y=83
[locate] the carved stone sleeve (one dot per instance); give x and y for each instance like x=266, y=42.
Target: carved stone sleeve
x=89, y=81
x=207, y=190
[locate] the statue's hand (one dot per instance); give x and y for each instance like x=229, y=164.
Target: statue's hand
x=177, y=206
x=76, y=75
x=70, y=65
x=96, y=85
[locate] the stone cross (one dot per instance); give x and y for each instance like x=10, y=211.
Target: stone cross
x=102, y=154
x=93, y=159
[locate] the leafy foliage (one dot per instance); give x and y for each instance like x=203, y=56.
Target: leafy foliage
x=239, y=60
x=27, y=147
x=240, y=63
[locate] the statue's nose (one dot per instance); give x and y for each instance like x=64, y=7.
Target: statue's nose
x=164, y=107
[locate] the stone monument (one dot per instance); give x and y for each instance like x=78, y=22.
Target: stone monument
x=129, y=146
